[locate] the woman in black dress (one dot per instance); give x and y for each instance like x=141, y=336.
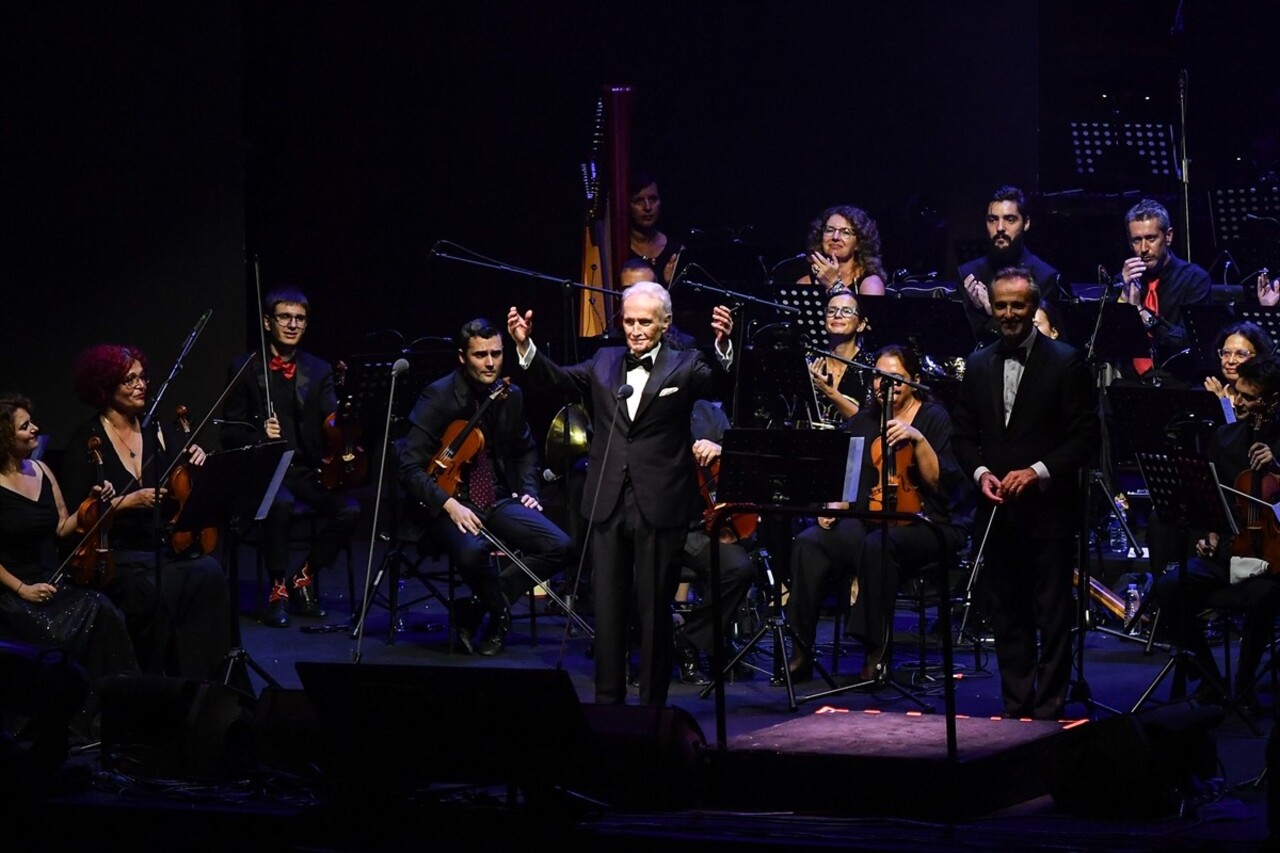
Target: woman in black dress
x=185, y=629
x=32, y=517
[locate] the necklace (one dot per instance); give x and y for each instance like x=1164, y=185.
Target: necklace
x=123, y=441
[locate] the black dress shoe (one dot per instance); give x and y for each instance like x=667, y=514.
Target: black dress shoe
x=496, y=638
x=801, y=667
x=302, y=595
x=276, y=615
x=690, y=671
x=465, y=622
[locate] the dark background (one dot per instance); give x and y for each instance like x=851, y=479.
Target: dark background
x=151, y=150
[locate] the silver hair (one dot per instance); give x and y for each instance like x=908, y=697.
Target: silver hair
x=650, y=288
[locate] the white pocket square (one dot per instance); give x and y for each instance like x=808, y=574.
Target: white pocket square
x=667, y=392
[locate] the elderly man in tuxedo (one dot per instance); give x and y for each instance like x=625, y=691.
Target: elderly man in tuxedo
x=1026, y=425
x=640, y=477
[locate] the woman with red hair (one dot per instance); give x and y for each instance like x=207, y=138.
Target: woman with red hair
x=189, y=636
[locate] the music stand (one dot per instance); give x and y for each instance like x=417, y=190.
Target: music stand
x=1145, y=417
x=1121, y=335
x=369, y=379
x=1186, y=491
x=1267, y=318
x=1113, y=154
x=1204, y=323
x=938, y=327
x=1238, y=212
x=781, y=389
x=811, y=300
x=234, y=485
x=794, y=467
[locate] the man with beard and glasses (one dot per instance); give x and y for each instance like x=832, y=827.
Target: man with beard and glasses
x=1007, y=225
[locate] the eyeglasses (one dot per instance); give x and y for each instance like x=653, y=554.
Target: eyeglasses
x=286, y=319
x=846, y=311
x=133, y=380
x=831, y=231
x=1237, y=354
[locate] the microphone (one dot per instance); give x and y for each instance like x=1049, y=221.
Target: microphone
x=550, y=476
x=1256, y=218
x=401, y=365
x=224, y=421
x=624, y=393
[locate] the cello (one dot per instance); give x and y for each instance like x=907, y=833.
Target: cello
x=92, y=564
x=345, y=463
x=461, y=442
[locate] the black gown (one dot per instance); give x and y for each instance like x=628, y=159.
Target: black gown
x=82, y=621
x=191, y=636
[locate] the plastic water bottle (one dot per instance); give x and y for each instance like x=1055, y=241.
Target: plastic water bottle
x=1116, y=539
x=1132, y=604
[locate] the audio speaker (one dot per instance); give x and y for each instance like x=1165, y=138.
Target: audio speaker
x=1133, y=765
x=175, y=727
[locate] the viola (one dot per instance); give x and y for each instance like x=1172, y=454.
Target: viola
x=462, y=442
x=1259, y=531
x=345, y=463
x=92, y=564
x=181, y=481
x=732, y=529
x=894, y=490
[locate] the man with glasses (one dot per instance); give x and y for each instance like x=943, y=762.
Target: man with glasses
x=1007, y=225
x=290, y=401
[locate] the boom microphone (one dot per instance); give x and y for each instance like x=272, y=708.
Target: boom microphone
x=401, y=365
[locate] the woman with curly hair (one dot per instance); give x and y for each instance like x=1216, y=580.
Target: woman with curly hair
x=1237, y=343
x=188, y=634
x=844, y=249
x=33, y=516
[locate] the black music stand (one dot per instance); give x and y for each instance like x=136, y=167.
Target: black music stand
x=1186, y=491
x=1239, y=214
x=811, y=300
x=1267, y=318
x=794, y=467
x=1203, y=324
x=938, y=327
x=234, y=486
x=1147, y=417
x=782, y=394
x=1120, y=336
x=369, y=379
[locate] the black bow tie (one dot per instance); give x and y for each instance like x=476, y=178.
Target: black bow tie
x=1007, y=352
x=633, y=362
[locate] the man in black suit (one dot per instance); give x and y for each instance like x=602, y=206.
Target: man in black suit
x=640, y=478
x=497, y=489
x=1008, y=222
x=1025, y=425
x=301, y=392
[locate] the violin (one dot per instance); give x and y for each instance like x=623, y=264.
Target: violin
x=732, y=529
x=462, y=442
x=894, y=490
x=201, y=541
x=92, y=564
x=1260, y=531
x=345, y=463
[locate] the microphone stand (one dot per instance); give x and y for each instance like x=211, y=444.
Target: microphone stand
x=157, y=510
x=1186, y=165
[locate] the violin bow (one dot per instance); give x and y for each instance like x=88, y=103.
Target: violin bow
x=546, y=587
x=262, y=337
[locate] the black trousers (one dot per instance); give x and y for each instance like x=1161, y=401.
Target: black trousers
x=338, y=511
x=737, y=571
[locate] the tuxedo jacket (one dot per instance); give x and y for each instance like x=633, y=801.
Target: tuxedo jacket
x=314, y=400
x=1055, y=421
x=655, y=449
x=507, y=439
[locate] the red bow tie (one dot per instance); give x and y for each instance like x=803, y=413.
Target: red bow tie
x=285, y=368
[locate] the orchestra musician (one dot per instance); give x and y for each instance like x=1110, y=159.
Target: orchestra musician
x=1160, y=284
x=842, y=390
x=648, y=244
x=925, y=478
x=298, y=388
x=1025, y=425
x=1224, y=570
x=844, y=249
x=33, y=516
x=187, y=621
x=498, y=490
x=1237, y=343
x=640, y=480
x=1008, y=221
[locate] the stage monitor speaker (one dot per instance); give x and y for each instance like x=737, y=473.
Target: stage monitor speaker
x=175, y=727
x=1133, y=765
x=390, y=732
